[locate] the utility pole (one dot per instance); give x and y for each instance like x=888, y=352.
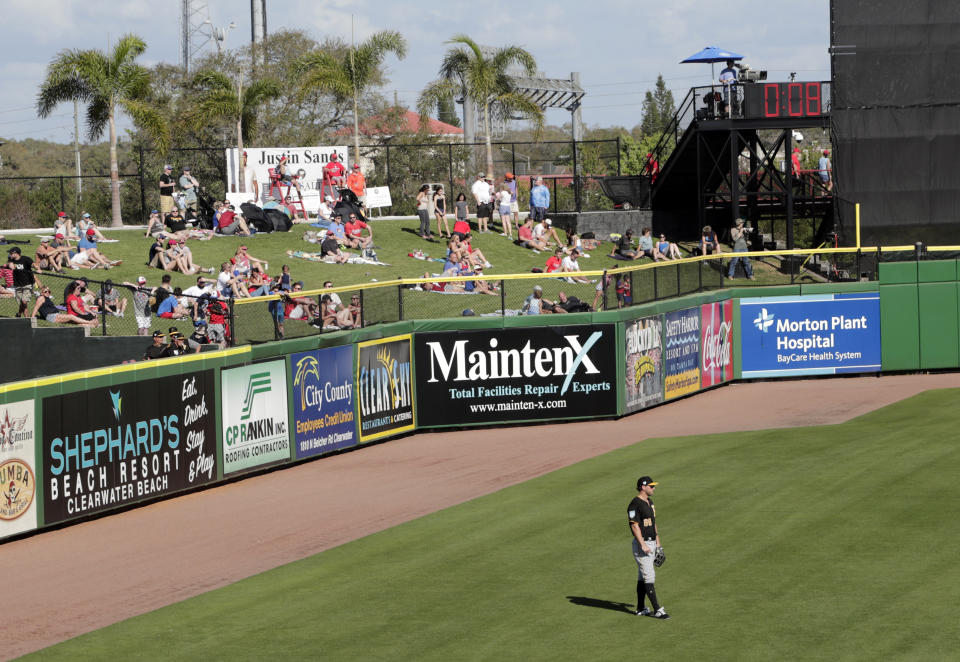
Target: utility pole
x=76, y=151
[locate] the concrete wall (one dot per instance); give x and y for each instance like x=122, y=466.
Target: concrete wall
x=42, y=351
x=602, y=223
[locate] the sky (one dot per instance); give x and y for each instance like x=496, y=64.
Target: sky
x=618, y=46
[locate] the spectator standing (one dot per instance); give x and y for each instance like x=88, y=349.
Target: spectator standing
x=423, y=211
x=357, y=183
x=189, y=185
x=825, y=170
x=504, y=201
x=511, y=183
x=739, y=236
x=23, y=278
x=167, y=186
x=462, y=210
x=482, y=197
x=728, y=78
x=141, y=305
x=539, y=200
x=440, y=210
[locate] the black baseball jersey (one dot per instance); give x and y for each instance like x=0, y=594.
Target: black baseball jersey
x=645, y=515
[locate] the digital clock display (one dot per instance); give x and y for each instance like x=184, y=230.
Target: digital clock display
x=783, y=100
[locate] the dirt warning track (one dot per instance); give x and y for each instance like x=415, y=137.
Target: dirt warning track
x=87, y=576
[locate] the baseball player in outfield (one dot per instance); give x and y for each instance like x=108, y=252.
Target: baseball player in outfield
x=643, y=526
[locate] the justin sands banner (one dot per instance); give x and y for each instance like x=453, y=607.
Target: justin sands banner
x=18, y=485
x=644, y=340
x=308, y=162
x=490, y=376
x=253, y=401
x=384, y=387
x=716, y=353
x=112, y=446
x=682, y=341
x=323, y=400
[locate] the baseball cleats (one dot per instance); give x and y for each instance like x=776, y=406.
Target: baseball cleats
x=644, y=612
x=661, y=614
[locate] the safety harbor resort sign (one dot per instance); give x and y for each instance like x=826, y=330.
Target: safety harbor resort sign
x=384, y=387
x=323, y=399
x=816, y=334
x=112, y=446
x=644, y=348
x=716, y=352
x=253, y=401
x=18, y=488
x=496, y=375
x=682, y=342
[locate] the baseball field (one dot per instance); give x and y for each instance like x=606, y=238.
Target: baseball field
x=833, y=542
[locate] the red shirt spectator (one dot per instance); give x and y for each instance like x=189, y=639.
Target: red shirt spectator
x=553, y=263
x=226, y=218
x=525, y=233
x=334, y=170
x=355, y=227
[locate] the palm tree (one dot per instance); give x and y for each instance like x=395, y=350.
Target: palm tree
x=352, y=74
x=466, y=70
x=219, y=98
x=105, y=81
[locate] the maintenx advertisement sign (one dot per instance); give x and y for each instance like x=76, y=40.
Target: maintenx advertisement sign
x=682, y=341
x=495, y=375
x=112, y=446
x=644, y=347
x=323, y=398
x=253, y=401
x=817, y=334
x=384, y=387
x=18, y=485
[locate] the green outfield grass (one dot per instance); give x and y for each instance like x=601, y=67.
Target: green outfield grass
x=827, y=543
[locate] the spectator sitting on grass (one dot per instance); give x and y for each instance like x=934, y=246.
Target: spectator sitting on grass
x=554, y=261
x=170, y=307
x=110, y=301
x=86, y=223
x=182, y=257
x=48, y=257
x=87, y=255
x=230, y=286
x=325, y=212
x=526, y=238
x=245, y=262
x=544, y=230
x=62, y=247
x=76, y=306
x=709, y=242
x=666, y=250
x=571, y=265
x=232, y=223
x=175, y=221
x=475, y=255
x=64, y=225
x=624, y=247
x=330, y=249
x=646, y=244
x=565, y=304
x=534, y=303
x=354, y=233
x=298, y=306
x=45, y=309
x=155, y=226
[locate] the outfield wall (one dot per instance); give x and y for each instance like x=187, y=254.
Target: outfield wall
x=86, y=443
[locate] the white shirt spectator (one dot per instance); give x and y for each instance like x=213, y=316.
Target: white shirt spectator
x=481, y=191
x=570, y=264
x=539, y=230
x=197, y=291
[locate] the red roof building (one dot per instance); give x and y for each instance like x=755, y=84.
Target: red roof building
x=409, y=122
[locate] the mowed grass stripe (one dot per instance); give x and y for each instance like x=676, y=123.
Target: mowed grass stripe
x=834, y=542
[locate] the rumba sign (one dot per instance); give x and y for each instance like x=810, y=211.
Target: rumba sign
x=820, y=334
x=716, y=352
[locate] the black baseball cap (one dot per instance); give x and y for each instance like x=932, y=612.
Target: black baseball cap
x=158, y=334
x=645, y=480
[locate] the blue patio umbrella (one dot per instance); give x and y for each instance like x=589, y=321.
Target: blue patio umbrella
x=712, y=54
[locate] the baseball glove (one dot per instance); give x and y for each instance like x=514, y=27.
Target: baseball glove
x=659, y=557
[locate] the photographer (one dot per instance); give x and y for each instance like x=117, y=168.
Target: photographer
x=738, y=234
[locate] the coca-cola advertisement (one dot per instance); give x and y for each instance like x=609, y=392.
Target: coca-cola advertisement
x=716, y=354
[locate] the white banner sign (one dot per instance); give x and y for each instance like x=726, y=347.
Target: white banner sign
x=18, y=489
x=253, y=402
x=308, y=162
x=378, y=196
